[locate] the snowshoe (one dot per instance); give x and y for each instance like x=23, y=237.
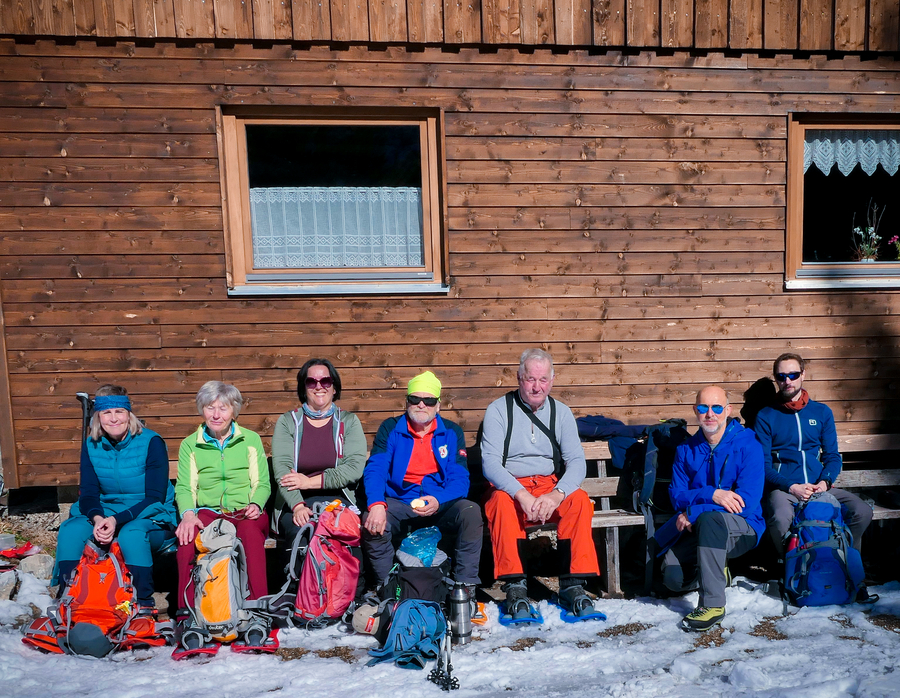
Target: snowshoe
x=479, y=616
x=257, y=640
x=192, y=642
x=519, y=612
x=575, y=605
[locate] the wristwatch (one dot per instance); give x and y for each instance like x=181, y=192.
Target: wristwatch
x=557, y=489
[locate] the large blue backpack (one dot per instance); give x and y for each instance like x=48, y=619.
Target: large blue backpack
x=416, y=635
x=821, y=566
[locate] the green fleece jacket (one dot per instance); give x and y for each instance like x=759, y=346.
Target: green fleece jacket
x=226, y=480
x=350, y=443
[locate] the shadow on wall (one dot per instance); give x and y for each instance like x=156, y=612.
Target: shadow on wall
x=760, y=394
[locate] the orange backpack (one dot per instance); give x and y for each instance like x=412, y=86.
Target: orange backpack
x=100, y=593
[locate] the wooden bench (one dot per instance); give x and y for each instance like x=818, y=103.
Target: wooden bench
x=603, y=487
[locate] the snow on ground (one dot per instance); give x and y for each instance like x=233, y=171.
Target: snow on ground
x=829, y=652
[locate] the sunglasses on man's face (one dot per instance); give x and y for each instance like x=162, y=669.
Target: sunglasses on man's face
x=326, y=382
x=703, y=409
x=782, y=377
x=414, y=400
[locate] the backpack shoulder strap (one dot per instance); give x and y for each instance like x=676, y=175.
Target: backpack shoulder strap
x=509, y=425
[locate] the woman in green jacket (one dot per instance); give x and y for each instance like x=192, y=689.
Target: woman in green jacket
x=318, y=451
x=222, y=473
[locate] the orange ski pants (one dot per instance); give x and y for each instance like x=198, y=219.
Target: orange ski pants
x=506, y=521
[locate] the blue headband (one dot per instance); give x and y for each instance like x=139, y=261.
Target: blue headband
x=111, y=402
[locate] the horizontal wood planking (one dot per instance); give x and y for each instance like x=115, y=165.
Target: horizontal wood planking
x=609, y=381
x=860, y=354
x=304, y=70
x=648, y=234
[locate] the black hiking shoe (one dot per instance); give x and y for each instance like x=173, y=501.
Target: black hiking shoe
x=517, y=604
x=573, y=599
x=864, y=597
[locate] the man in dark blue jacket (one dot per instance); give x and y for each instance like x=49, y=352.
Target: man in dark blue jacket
x=800, y=447
x=417, y=476
x=717, y=484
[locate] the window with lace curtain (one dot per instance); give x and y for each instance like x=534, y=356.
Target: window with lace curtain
x=843, y=224
x=332, y=201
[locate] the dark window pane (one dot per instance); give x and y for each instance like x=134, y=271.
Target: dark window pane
x=334, y=156
x=829, y=204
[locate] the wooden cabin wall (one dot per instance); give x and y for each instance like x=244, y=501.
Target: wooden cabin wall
x=808, y=25
x=625, y=212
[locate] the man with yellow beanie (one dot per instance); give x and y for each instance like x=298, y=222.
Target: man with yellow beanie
x=417, y=476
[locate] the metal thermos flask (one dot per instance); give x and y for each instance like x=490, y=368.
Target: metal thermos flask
x=460, y=615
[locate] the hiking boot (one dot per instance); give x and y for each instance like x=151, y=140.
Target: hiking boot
x=147, y=612
x=573, y=599
x=703, y=618
x=728, y=578
x=517, y=604
x=864, y=597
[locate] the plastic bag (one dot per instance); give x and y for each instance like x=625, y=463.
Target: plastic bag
x=422, y=544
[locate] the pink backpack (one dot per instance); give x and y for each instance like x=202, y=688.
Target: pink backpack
x=327, y=582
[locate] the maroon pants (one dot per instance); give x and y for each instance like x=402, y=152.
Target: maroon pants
x=251, y=532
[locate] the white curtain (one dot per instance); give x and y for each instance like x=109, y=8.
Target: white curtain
x=336, y=227
x=866, y=148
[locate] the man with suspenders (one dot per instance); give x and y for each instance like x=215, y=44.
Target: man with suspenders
x=533, y=459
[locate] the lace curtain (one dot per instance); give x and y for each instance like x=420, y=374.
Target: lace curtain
x=336, y=227
x=847, y=149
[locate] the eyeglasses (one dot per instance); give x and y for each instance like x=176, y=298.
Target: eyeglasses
x=325, y=383
x=415, y=400
x=782, y=377
x=703, y=409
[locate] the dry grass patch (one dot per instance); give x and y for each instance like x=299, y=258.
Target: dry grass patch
x=766, y=628
x=711, y=638
x=886, y=621
x=628, y=629
x=522, y=644
x=342, y=652
x=288, y=653
x=584, y=644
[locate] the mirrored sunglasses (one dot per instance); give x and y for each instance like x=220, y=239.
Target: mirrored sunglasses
x=415, y=400
x=703, y=409
x=782, y=377
x=326, y=382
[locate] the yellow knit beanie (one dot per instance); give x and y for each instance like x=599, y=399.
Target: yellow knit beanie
x=424, y=383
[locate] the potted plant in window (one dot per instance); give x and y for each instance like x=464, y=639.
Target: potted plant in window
x=866, y=238
x=895, y=241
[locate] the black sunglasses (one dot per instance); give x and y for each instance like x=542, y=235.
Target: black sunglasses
x=326, y=382
x=415, y=400
x=703, y=409
x=782, y=377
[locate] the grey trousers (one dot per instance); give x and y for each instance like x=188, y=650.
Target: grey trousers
x=778, y=508
x=700, y=555
x=459, y=521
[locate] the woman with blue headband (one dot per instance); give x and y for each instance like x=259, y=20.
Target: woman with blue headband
x=125, y=494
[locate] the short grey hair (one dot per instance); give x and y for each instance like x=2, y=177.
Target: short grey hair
x=213, y=391
x=535, y=354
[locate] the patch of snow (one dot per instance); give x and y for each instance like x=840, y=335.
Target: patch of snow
x=821, y=658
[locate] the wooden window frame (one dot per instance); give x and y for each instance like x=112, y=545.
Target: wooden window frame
x=813, y=276
x=243, y=279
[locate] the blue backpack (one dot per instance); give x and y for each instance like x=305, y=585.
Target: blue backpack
x=821, y=566
x=416, y=636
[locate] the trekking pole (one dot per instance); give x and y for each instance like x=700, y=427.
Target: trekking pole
x=87, y=405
